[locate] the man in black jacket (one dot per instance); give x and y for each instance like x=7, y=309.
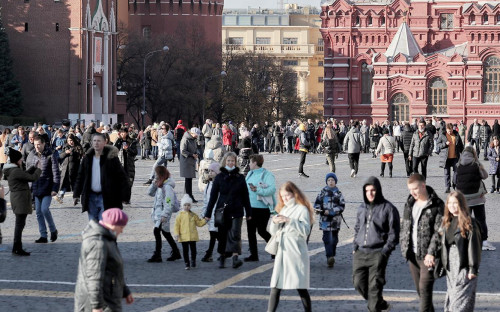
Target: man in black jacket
x=420, y=240
x=127, y=148
x=376, y=234
x=101, y=181
x=406, y=136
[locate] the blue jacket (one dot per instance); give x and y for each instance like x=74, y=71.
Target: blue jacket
x=59, y=142
x=50, y=179
x=259, y=178
x=330, y=200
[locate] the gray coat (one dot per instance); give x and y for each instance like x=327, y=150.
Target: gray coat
x=100, y=283
x=353, y=141
x=492, y=156
x=386, y=145
x=421, y=147
x=187, y=161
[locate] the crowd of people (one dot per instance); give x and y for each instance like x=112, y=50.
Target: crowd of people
x=437, y=237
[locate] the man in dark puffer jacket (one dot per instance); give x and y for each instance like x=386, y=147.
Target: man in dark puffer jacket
x=376, y=234
x=422, y=217
x=406, y=136
x=46, y=186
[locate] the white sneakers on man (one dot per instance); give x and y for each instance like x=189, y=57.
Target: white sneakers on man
x=353, y=173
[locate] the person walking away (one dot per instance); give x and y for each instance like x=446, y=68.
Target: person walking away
x=227, y=137
x=494, y=158
x=460, y=254
x=373, y=244
x=375, y=134
x=470, y=173
x=485, y=137
x=165, y=203
x=421, y=147
x=291, y=265
x=330, y=205
x=179, y=135
x=330, y=142
x=495, y=129
x=261, y=188
x=474, y=135
x=101, y=181
x=420, y=241
x=352, y=145
x=230, y=192
x=396, y=131
x=289, y=136
x=45, y=187
x=154, y=141
x=185, y=230
x=213, y=171
x=188, y=160
x=462, y=128
x=20, y=195
x=406, y=136
x=450, y=146
x=365, y=136
x=127, y=150
x=100, y=285
x=207, y=130
x=165, y=150
x=304, y=146
x=386, y=148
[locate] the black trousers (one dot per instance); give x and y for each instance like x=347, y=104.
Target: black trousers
x=18, y=230
x=382, y=167
x=450, y=163
x=495, y=186
x=230, y=237
x=368, y=269
x=258, y=223
x=186, y=246
x=424, y=282
x=420, y=160
x=480, y=216
x=290, y=144
x=157, y=233
x=302, y=161
x=274, y=299
x=213, y=237
x=477, y=144
x=354, y=161
x=188, y=187
x=408, y=163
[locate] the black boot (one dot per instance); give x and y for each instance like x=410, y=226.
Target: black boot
x=174, y=255
x=222, y=261
x=156, y=257
x=207, y=257
x=236, y=262
x=17, y=250
x=148, y=182
x=251, y=258
x=53, y=236
x=193, y=263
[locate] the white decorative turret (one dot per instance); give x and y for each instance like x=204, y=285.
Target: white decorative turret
x=403, y=42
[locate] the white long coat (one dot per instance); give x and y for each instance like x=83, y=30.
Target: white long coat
x=291, y=265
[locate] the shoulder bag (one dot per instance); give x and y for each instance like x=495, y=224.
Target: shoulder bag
x=273, y=243
x=219, y=215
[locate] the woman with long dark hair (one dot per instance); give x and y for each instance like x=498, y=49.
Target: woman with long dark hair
x=291, y=265
x=460, y=253
x=70, y=163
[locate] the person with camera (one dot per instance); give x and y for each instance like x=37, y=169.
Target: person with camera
x=420, y=240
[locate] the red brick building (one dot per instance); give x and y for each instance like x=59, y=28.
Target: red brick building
x=400, y=59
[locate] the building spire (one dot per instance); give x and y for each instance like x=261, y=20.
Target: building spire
x=403, y=42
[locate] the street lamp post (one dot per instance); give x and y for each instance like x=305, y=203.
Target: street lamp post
x=222, y=74
x=146, y=57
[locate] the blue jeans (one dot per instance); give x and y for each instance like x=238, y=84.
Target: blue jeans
x=96, y=207
x=330, y=239
x=161, y=161
x=43, y=214
x=155, y=152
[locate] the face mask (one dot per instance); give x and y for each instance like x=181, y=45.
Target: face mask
x=229, y=168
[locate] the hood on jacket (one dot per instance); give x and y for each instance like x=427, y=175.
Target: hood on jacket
x=215, y=142
x=170, y=182
x=379, y=197
x=94, y=229
x=7, y=169
x=109, y=150
x=466, y=158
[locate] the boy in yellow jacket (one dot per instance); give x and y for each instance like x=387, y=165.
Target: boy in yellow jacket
x=185, y=230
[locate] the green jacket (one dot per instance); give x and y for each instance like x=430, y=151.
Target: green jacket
x=20, y=194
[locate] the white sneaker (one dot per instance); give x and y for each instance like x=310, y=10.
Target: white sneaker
x=354, y=176
x=488, y=246
x=353, y=173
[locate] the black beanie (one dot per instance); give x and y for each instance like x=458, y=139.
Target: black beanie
x=14, y=156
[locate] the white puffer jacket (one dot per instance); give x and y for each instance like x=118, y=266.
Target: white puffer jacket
x=165, y=203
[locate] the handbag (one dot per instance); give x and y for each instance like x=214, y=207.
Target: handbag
x=273, y=243
x=219, y=216
x=439, y=270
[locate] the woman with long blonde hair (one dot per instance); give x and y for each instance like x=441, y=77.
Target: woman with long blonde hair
x=292, y=225
x=460, y=253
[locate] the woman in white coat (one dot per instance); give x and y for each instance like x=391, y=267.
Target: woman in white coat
x=291, y=265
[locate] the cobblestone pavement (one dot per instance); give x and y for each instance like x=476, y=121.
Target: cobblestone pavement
x=45, y=281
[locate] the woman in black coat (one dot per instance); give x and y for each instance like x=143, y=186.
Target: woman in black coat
x=70, y=163
x=229, y=190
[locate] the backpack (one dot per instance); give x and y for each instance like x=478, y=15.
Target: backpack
x=178, y=133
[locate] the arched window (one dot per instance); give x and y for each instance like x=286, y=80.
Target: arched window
x=357, y=20
x=491, y=80
x=400, y=107
x=382, y=21
x=370, y=20
x=437, y=98
x=366, y=83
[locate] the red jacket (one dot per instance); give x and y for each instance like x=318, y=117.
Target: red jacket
x=227, y=136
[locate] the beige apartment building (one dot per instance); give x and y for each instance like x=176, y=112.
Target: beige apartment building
x=292, y=35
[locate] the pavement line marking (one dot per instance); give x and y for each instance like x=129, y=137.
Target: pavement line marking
x=233, y=280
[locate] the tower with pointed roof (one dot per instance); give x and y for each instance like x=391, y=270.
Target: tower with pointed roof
x=391, y=60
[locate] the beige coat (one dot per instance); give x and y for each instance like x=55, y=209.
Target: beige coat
x=3, y=157
x=291, y=265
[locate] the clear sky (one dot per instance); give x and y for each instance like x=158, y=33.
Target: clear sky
x=265, y=4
